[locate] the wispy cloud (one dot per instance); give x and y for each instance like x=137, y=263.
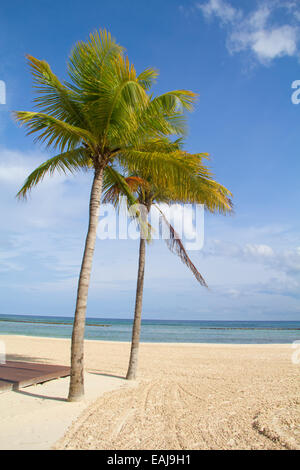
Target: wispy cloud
x=265, y=32
x=44, y=208
x=221, y=9
x=287, y=261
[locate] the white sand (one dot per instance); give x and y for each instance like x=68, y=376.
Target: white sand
x=36, y=417
x=188, y=396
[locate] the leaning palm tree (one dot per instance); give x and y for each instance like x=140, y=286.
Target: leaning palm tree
x=201, y=189
x=100, y=118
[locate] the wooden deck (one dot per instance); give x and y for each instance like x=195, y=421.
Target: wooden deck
x=15, y=375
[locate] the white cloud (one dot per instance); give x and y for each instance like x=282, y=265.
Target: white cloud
x=285, y=262
x=221, y=9
x=258, y=19
x=260, y=32
x=15, y=166
x=265, y=43
x=261, y=277
x=12, y=174
x=44, y=233
x=275, y=43
x=258, y=250
x=55, y=201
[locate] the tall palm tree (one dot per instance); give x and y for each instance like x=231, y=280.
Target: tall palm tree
x=99, y=118
x=201, y=189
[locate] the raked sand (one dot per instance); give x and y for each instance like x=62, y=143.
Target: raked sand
x=188, y=396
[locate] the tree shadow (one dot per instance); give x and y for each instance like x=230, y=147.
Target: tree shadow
x=22, y=357
x=36, y=395
x=98, y=372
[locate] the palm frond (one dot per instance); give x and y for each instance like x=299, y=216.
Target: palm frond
x=214, y=196
x=115, y=185
x=147, y=78
x=53, y=97
x=89, y=61
x=71, y=161
x=175, y=101
x=55, y=132
x=118, y=112
x=176, y=246
x=164, y=114
x=167, y=169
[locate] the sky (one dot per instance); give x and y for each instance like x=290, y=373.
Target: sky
x=241, y=57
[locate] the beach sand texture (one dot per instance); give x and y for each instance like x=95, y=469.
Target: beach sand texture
x=188, y=396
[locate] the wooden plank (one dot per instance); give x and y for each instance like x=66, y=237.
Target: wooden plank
x=16, y=374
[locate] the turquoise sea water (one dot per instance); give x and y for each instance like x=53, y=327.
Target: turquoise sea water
x=166, y=331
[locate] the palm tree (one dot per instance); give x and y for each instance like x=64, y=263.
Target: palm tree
x=201, y=189
x=99, y=118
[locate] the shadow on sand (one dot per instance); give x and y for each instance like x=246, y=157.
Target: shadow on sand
x=98, y=372
x=36, y=395
x=21, y=357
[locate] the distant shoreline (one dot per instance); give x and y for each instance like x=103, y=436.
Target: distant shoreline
x=146, y=343
x=145, y=319
x=156, y=331
x=103, y=325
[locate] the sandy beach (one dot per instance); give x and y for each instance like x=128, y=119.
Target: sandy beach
x=188, y=396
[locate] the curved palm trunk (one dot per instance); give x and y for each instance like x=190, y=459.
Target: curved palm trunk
x=76, y=390
x=133, y=361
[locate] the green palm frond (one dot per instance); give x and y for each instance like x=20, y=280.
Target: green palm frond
x=90, y=62
x=55, y=132
x=71, y=161
x=206, y=191
x=176, y=100
x=114, y=186
x=53, y=97
x=118, y=113
x=147, y=78
x=162, y=116
x=168, y=169
x=186, y=178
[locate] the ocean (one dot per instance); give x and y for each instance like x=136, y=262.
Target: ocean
x=156, y=331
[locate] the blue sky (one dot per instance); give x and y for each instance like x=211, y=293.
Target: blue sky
x=241, y=57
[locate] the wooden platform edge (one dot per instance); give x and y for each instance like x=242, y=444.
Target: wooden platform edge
x=39, y=376
x=40, y=379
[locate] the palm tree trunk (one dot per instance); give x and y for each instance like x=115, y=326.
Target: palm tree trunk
x=76, y=390
x=136, y=330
